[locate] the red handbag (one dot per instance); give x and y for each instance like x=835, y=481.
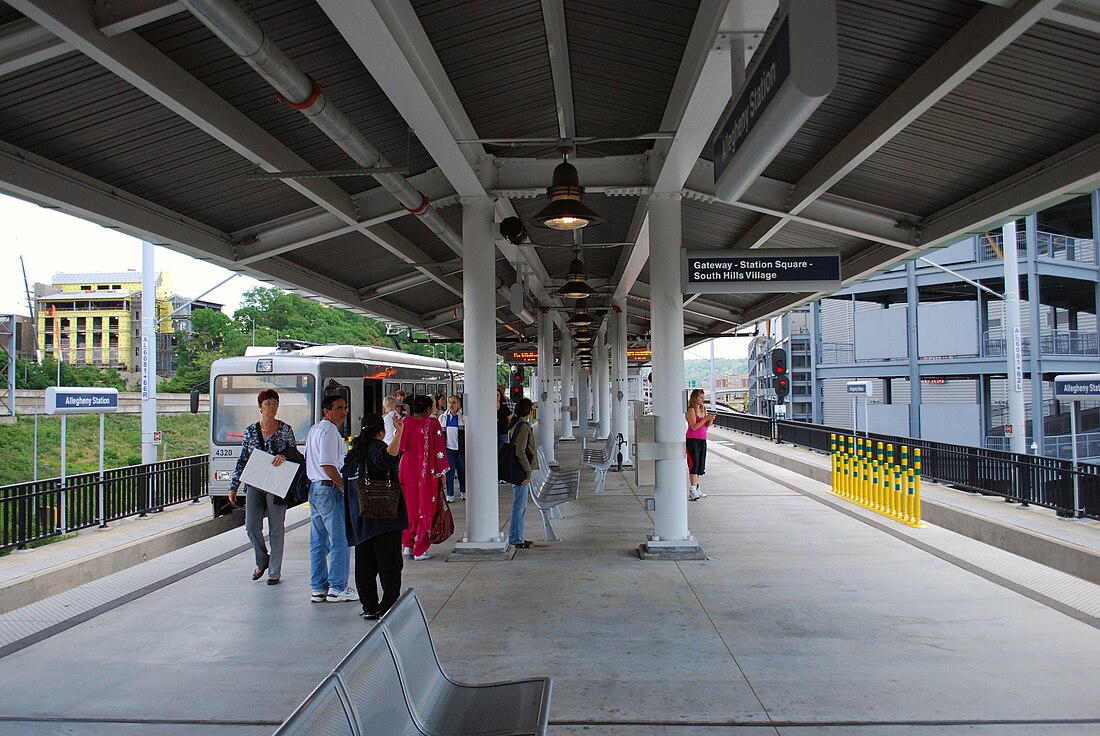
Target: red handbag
x=443, y=523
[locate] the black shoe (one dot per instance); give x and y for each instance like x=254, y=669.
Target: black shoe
x=273, y=581
x=371, y=615
x=259, y=572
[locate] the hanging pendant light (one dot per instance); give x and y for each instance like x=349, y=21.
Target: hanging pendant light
x=566, y=211
x=581, y=317
x=583, y=336
x=575, y=286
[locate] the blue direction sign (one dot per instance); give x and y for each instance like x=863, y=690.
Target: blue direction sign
x=1077, y=387
x=77, y=400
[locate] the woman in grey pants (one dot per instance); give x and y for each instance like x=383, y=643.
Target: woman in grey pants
x=275, y=438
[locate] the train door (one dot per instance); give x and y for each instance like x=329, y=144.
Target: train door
x=372, y=396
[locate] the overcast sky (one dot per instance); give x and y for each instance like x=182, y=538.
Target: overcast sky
x=50, y=242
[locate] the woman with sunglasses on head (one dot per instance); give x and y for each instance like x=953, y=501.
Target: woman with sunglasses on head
x=275, y=438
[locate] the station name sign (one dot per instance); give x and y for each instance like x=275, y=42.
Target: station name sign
x=60, y=400
x=859, y=388
x=726, y=272
x=1077, y=387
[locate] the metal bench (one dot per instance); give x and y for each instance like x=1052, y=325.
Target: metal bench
x=443, y=706
x=391, y=683
x=600, y=459
x=550, y=489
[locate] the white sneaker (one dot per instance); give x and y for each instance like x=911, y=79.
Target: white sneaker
x=462, y=497
x=342, y=596
x=425, y=556
x=317, y=596
x=694, y=494
x=406, y=551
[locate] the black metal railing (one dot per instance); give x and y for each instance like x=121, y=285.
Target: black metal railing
x=45, y=508
x=1030, y=479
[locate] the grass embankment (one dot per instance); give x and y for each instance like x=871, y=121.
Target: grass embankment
x=182, y=435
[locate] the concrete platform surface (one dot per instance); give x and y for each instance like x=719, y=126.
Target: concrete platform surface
x=810, y=616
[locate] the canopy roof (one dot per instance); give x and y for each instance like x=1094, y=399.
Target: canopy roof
x=948, y=117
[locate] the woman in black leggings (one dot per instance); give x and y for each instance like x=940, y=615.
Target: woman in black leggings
x=377, y=542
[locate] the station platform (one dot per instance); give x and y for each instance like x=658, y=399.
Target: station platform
x=809, y=616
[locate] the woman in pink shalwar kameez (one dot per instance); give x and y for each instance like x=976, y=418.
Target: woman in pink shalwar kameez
x=423, y=462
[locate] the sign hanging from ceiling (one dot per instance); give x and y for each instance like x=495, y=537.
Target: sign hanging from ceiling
x=795, y=73
x=729, y=272
x=639, y=355
x=522, y=356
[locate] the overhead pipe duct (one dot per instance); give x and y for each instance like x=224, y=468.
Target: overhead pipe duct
x=245, y=38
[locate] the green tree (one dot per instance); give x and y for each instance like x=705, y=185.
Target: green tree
x=37, y=376
x=213, y=336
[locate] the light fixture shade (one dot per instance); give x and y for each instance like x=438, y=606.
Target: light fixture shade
x=584, y=337
x=575, y=287
x=581, y=317
x=566, y=211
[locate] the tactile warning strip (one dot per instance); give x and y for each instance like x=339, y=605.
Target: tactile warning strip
x=1071, y=595
x=24, y=626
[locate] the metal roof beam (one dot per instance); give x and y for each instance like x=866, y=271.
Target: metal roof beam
x=118, y=16
x=29, y=176
x=611, y=175
x=391, y=43
x=138, y=63
x=1072, y=172
x=829, y=212
x=312, y=226
x=24, y=43
x=699, y=94
x=557, y=46
x=988, y=33
x=1082, y=15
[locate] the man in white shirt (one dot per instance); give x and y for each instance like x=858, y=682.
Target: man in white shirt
x=454, y=425
x=325, y=451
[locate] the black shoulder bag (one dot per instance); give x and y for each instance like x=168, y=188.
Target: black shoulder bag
x=508, y=468
x=378, y=499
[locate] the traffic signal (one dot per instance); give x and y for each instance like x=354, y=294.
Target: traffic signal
x=518, y=377
x=781, y=382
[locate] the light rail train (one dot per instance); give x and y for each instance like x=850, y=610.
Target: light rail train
x=304, y=374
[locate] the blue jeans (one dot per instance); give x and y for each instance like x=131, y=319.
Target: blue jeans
x=519, y=513
x=327, y=534
x=458, y=465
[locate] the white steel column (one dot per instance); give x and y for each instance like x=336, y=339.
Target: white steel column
x=603, y=381
x=546, y=383
x=582, y=403
x=671, y=536
x=1014, y=339
x=620, y=417
x=482, y=537
x=568, y=373
x=148, y=355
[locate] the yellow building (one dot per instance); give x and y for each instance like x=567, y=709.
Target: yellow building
x=95, y=318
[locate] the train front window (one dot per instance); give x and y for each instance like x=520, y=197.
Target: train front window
x=235, y=407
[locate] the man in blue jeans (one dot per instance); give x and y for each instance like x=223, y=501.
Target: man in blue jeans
x=328, y=541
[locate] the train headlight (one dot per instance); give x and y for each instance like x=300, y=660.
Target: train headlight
x=223, y=475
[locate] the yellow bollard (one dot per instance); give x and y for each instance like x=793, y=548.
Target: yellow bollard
x=861, y=469
x=832, y=459
x=916, y=487
x=876, y=500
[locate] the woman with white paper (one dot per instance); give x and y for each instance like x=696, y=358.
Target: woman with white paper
x=275, y=438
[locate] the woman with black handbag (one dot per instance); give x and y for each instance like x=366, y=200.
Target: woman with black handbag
x=377, y=541
x=522, y=437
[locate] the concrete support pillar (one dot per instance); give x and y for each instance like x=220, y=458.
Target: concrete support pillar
x=546, y=384
x=147, y=353
x=582, y=403
x=603, y=381
x=568, y=376
x=912, y=313
x=671, y=536
x=620, y=402
x=817, y=410
x=482, y=538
